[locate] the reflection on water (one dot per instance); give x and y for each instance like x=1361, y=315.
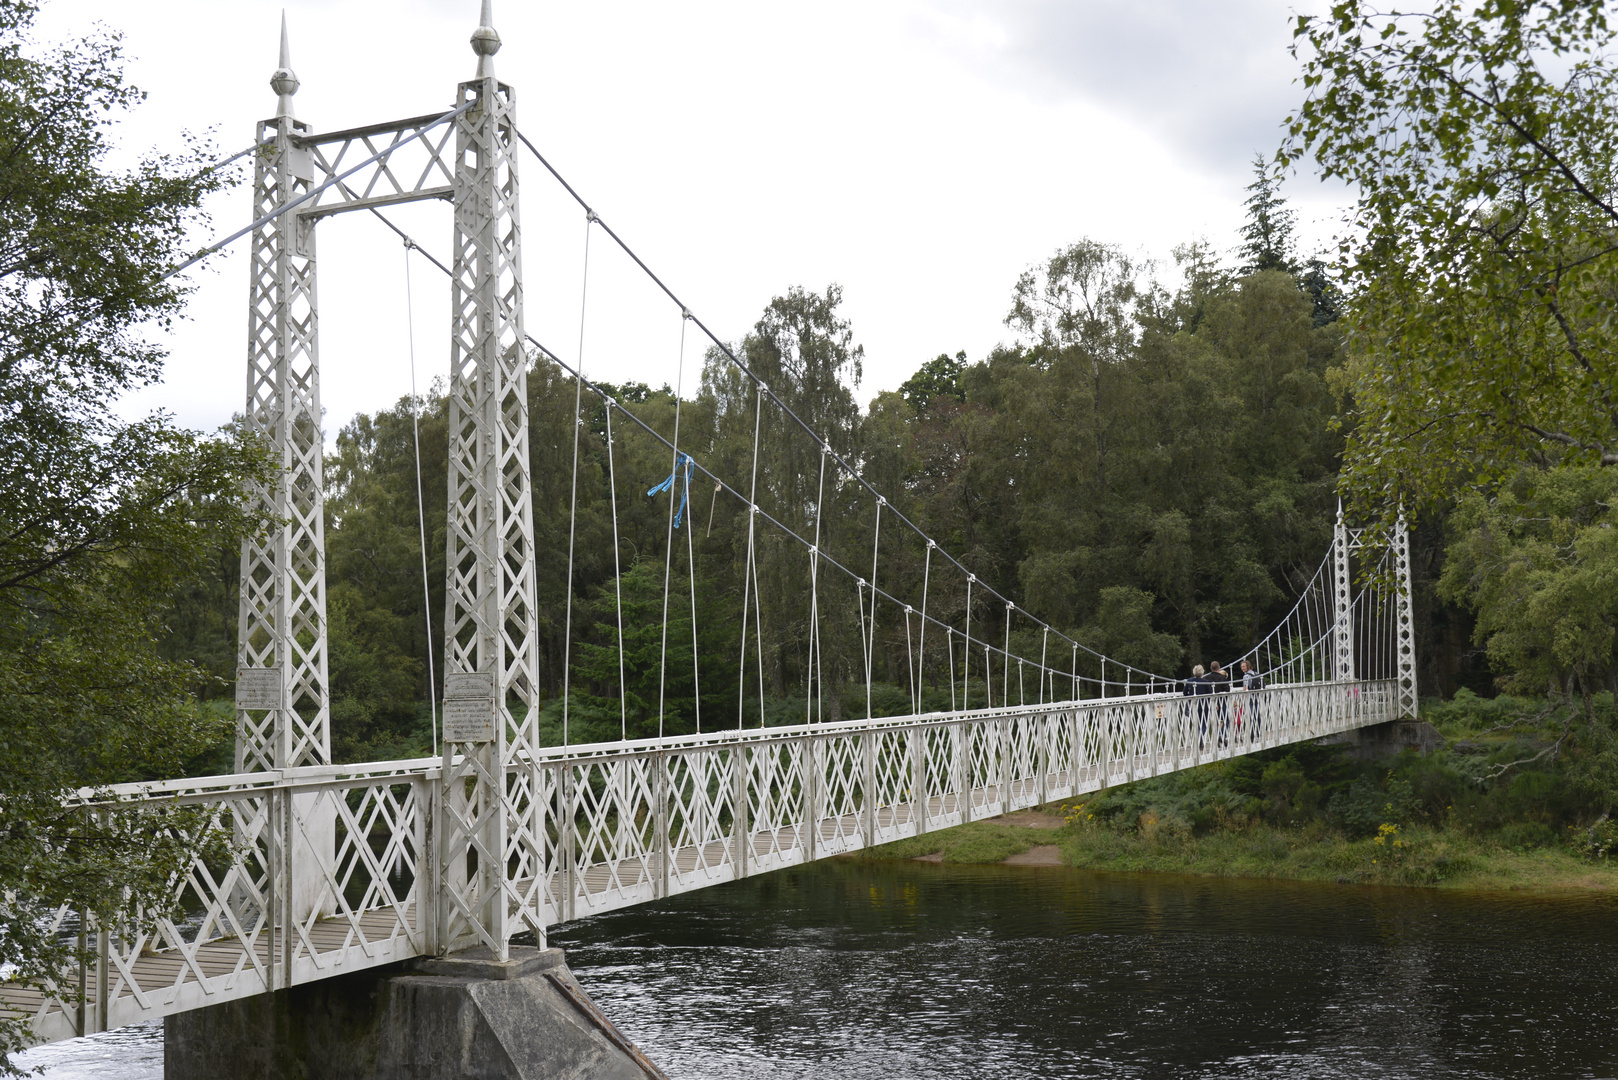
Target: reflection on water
x=915, y=970
x=896, y=970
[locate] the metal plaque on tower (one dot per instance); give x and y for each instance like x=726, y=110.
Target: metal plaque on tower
x=258, y=688
x=469, y=707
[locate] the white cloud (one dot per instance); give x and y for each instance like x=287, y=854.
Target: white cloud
x=1214, y=81
x=919, y=152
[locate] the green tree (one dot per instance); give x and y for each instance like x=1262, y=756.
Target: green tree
x=1122, y=629
x=1481, y=141
x=1172, y=442
x=1538, y=561
x=803, y=349
x=1267, y=236
x=377, y=626
x=1323, y=291
x=658, y=671
x=103, y=519
x=939, y=377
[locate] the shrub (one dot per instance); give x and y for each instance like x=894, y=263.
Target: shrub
x=1364, y=805
x=1596, y=842
x=1526, y=835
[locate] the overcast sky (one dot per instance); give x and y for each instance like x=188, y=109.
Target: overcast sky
x=920, y=153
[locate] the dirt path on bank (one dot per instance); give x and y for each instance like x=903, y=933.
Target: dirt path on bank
x=1043, y=855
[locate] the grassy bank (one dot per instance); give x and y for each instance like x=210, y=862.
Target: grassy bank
x=1519, y=797
x=1424, y=856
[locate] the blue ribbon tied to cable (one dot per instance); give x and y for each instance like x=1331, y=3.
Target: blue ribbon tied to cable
x=682, y=460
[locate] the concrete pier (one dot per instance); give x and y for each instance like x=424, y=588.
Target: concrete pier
x=440, y=1018
x=1377, y=741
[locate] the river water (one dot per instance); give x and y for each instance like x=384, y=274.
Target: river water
x=895, y=970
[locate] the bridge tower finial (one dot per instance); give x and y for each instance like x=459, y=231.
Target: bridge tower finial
x=486, y=41
x=285, y=81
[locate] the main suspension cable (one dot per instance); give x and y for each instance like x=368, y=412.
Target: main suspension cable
x=719, y=484
x=748, y=372
x=1309, y=644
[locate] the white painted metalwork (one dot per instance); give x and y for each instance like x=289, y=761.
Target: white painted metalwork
x=1342, y=602
x=282, y=612
x=624, y=823
x=316, y=869
x=489, y=838
x=1405, y=625
x=490, y=612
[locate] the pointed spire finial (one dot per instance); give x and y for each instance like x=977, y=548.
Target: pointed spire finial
x=284, y=82
x=486, y=42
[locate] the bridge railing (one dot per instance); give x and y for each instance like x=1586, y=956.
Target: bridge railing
x=301, y=874
x=297, y=875
x=631, y=822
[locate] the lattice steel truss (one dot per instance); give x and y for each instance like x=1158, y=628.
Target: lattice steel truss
x=633, y=821
x=489, y=837
x=282, y=613
x=1405, y=623
x=1346, y=541
x=490, y=827
x=1342, y=603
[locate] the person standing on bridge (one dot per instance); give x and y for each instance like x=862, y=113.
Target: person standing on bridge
x=1196, y=686
x=1219, y=683
x=1252, y=682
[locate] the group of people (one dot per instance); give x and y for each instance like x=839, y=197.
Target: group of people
x=1216, y=680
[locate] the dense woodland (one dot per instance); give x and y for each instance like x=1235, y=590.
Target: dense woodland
x=1149, y=467
x=1150, y=464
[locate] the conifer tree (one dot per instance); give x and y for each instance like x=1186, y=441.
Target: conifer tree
x=1267, y=242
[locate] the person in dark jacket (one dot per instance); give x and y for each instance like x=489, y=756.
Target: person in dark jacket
x=1195, y=686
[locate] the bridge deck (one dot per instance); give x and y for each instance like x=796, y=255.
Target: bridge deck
x=220, y=964
x=687, y=795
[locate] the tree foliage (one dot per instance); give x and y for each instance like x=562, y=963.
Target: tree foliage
x=1267, y=242
x=1481, y=142
x=1150, y=470
x=939, y=377
x=101, y=519
x=1539, y=561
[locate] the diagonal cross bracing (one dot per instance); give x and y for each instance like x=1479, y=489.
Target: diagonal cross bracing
x=619, y=824
x=487, y=840
x=282, y=608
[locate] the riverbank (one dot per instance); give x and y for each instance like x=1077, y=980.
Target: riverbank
x=1411, y=855
x=1517, y=794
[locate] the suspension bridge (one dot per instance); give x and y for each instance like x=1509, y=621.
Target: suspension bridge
x=305, y=868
